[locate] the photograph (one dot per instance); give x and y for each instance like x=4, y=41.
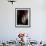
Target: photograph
x=22, y=17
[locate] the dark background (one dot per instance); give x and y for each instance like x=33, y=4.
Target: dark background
x=20, y=14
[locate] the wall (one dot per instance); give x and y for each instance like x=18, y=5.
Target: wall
x=8, y=31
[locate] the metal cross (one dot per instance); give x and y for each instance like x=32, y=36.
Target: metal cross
x=12, y=1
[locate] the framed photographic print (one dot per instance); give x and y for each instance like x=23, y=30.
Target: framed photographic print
x=22, y=17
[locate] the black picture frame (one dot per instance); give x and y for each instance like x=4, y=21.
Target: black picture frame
x=20, y=13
